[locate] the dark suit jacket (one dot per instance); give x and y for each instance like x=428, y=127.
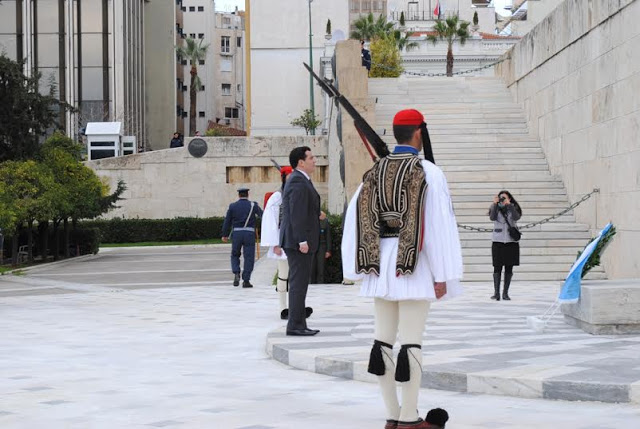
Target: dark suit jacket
x=300, y=212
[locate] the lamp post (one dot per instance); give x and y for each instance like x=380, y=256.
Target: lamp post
x=313, y=111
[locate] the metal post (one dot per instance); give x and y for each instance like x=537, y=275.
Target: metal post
x=313, y=111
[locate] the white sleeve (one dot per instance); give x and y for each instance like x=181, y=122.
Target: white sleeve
x=269, y=232
x=441, y=231
x=349, y=240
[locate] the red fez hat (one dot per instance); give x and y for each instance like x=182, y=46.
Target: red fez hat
x=408, y=117
x=286, y=170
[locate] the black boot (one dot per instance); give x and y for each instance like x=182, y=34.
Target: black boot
x=507, y=283
x=236, y=279
x=496, y=286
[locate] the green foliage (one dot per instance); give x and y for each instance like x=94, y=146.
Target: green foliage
x=402, y=40
x=86, y=240
x=594, y=259
x=475, y=18
x=58, y=140
x=328, y=29
x=143, y=230
x=307, y=121
x=368, y=28
x=214, y=132
x=402, y=21
x=333, y=265
x=29, y=188
x=194, y=51
x=385, y=58
x=26, y=114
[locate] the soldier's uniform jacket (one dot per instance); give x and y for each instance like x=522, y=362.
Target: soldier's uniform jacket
x=237, y=216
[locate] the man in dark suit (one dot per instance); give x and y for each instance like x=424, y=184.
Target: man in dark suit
x=300, y=235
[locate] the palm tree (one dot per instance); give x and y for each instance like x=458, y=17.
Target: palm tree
x=403, y=41
x=450, y=29
x=366, y=27
x=194, y=51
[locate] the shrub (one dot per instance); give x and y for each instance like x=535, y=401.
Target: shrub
x=119, y=230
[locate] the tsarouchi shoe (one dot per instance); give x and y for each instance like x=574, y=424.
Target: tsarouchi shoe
x=391, y=424
x=418, y=424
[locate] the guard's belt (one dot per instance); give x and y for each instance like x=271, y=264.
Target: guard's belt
x=244, y=229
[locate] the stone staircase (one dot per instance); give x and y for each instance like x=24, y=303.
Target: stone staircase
x=481, y=141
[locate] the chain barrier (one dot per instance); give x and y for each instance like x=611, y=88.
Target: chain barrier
x=540, y=222
x=441, y=74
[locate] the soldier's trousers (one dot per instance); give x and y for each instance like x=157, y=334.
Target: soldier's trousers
x=243, y=242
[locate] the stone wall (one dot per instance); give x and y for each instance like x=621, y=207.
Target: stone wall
x=170, y=183
x=577, y=76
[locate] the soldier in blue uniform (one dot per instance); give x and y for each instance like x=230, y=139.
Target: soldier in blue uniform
x=241, y=217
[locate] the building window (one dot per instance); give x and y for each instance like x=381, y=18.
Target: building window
x=200, y=8
x=377, y=6
x=224, y=44
x=226, y=89
x=201, y=62
x=200, y=35
x=366, y=6
x=201, y=114
x=183, y=62
x=239, y=42
x=183, y=8
x=226, y=21
x=230, y=112
x=192, y=8
x=184, y=88
x=239, y=87
x=201, y=87
x=185, y=114
x=192, y=35
x=355, y=5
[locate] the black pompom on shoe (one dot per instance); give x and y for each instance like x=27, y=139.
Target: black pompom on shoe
x=284, y=314
x=308, y=311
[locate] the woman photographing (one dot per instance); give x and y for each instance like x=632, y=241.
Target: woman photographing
x=505, y=251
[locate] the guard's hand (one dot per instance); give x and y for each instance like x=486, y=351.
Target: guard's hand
x=225, y=239
x=440, y=288
x=323, y=215
x=304, y=248
x=327, y=255
x=277, y=250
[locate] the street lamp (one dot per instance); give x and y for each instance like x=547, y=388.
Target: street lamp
x=313, y=111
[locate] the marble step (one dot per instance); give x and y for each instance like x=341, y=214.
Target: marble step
x=524, y=198
x=518, y=277
x=560, y=267
x=506, y=176
x=476, y=218
x=483, y=167
x=530, y=259
x=563, y=242
x=525, y=251
x=484, y=205
x=522, y=185
x=528, y=234
x=549, y=226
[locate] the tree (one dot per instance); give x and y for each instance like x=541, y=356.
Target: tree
x=25, y=114
x=475, y=18
x=385, y=58
x=328, y=29
x=306, y=121
x=31, y=188
x=402, y=21
x=402, y=41
x=451, y=29
x=194, y=52
x=367, y=27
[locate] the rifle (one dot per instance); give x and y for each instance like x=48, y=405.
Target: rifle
x=367, y=134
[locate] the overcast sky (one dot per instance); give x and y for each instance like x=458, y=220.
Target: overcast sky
x=229, y=5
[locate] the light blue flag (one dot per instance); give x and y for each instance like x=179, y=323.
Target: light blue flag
x=570, y=292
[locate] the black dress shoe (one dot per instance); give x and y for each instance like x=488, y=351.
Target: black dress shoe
x=246, y=284
x=308, y=311
x=236, y=279
x=284, y=314
x=302, y=332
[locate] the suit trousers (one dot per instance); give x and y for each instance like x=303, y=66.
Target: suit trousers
x=299, y=272
x=317, y=267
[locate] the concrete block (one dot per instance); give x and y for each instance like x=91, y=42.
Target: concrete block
x=606, y=307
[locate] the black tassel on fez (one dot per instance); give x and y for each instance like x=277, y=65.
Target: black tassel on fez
x=376, y=362
x=402, y=368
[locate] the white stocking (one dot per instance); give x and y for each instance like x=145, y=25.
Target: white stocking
x=386, y=329
x=412, y=318
x=281, y=285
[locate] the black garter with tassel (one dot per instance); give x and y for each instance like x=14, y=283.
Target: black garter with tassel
x=402, y=367
x=376, y=362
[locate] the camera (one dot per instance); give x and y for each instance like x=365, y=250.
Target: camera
x=502, y=199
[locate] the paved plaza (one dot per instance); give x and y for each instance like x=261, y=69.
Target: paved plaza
x=145, y=338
